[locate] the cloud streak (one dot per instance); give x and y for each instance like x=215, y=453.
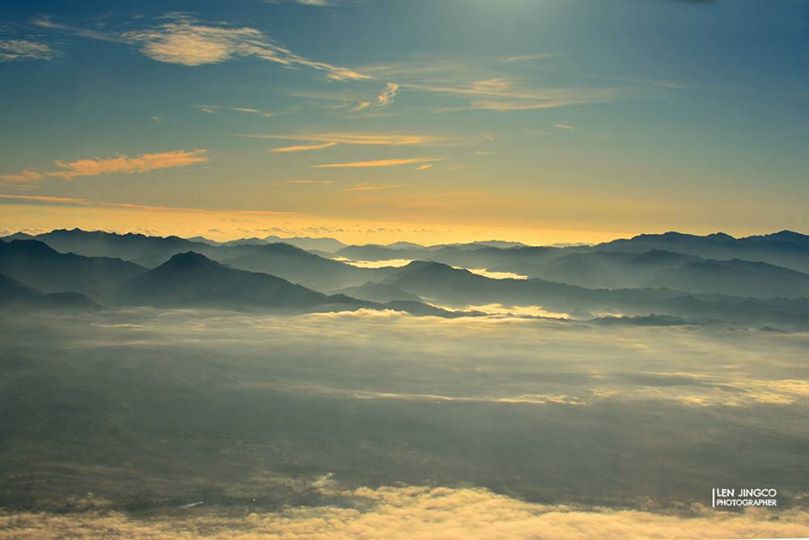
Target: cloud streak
x=121, y=164
x=385, y=97
x=379, y=163
x=373, y=187
x=356, y=138
x=501, y=94
x=303, y=148
x=23, y=49
x=187, y=42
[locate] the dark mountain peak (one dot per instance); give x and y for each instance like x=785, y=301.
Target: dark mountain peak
x=18, y=236
x=283, y=247
x=404, y=245
x=74, y=232
x=720, y=236
x=785, y=236
x=426, y=265
x=430, y=270
x=668, y=235
x=674, y=236
x=29, y=247
x=190, y=260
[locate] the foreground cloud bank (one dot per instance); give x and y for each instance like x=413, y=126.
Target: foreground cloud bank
x=414, y=513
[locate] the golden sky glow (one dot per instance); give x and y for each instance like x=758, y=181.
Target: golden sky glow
x=512, y=131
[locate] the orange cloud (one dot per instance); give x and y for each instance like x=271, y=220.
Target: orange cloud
x=68, y=170
x=375, y=163
x=373, y=187
x=356, y=138
x=23, y=176
x=303, y=147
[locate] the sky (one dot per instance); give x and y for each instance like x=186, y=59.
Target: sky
x=373, y=121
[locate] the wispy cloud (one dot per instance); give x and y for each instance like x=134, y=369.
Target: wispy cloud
x=23, y=49
x=28, y=175
x=209, y=109
x=385, y=97
x=529, y=57
x=45, y=199
x=356, y=138
x=425, y=167
x=187, y=42
x=214, y=109
x=374, y=187
x=317, y=3
x=303, y=147
x=68, y=170
x=379, y=163
x=499, y=94
x=468, y=81
x=361, y=106
x=564, y=126
x=308, y=182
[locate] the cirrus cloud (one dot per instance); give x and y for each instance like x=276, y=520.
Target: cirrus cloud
x=188, y=42
x=68, y=170
x=395, y=162
x=23, y=49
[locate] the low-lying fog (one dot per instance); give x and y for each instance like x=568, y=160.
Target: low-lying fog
x=380, y=414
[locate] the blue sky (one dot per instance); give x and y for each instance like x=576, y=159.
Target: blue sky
x=375, y=120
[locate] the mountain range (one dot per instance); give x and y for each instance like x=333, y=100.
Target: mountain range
x=758, y=280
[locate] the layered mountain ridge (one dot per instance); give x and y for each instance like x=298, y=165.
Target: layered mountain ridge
x=757, y=280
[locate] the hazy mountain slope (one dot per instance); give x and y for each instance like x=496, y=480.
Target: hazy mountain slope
x=144, y=250
x=15, y=294
x=193, y=280
x=328, y=245
x=443, y=285
x=374, y=252
x=282, y=260
x=785, y=248
x=656, y=268
x=298, y=266
x=39, y=266
x=380, y=292
x=324, y=245
x=734, y=277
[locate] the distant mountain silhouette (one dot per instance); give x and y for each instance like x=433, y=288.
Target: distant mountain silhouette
x=298, y=266
x=193, y=280
x=750, y=280
x=322, y=245
x=38, y=266
x=735, y=277
x=15, y=294
x=634, y=268
x=148, y=251
x=657, y=268
x=380, y=292
x=282, y=260
x=785, y=248
x=443, y=285
x=327, y=245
